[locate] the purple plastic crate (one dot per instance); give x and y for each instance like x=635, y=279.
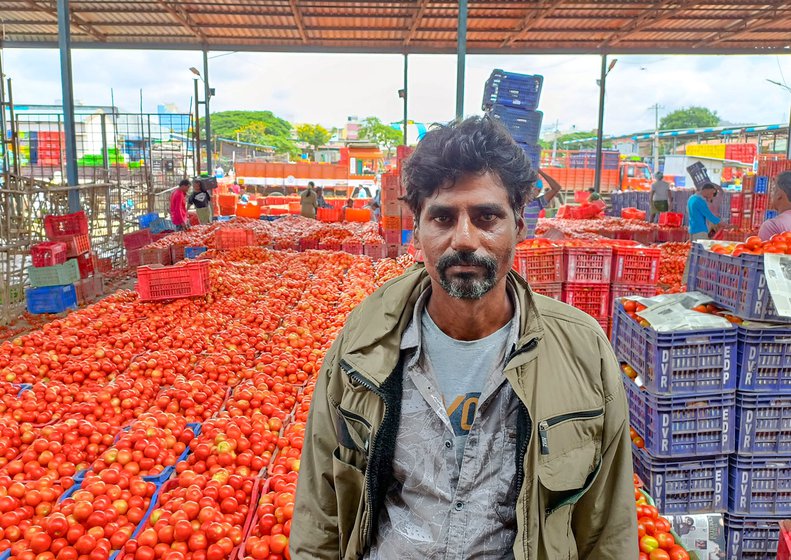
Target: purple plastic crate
x=674, y=427
x=764, y=359
x=684, y=486
x=678, y=363
x=760, y=485
x=524, y=126
x=763, y=424
x=751, y=538
x=737, y=284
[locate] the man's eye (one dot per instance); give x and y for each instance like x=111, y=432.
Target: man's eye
x=441, y=219
x=488, y=217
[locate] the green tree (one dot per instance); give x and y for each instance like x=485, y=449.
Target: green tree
x=691, y=117
x=225, y=123
x=581, y=140
x=381, y=134
x=258, y=133
x=313, y=135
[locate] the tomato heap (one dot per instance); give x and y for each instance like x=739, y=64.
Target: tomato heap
x=653, y=531
x=671, y=267
x=779, y=243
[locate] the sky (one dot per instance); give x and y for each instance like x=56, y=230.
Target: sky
x=328, y=88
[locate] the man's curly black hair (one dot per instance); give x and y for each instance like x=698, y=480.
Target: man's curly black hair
x=474, y=145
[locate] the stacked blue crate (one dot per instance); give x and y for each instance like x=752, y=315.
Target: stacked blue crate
x=512, y=99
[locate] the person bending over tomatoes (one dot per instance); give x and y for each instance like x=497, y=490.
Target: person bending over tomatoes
x=781, y=202
x=459, y=415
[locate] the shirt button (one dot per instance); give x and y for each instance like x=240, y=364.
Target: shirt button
x=448, y=444
x=459, y=506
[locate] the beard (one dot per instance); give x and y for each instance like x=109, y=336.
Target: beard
x=467, y=285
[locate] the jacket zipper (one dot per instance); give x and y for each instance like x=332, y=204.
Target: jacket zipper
x=544, y=425
x=520, y=467
x=359, y=378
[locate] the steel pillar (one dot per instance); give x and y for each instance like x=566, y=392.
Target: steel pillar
x=599, y=132
x=461, y=58
x=64, y=44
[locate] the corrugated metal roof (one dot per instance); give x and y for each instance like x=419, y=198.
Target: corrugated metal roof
x=411, y=25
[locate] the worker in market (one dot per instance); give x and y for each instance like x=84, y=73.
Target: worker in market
x=780, y=202
x=659, y=197
x=309, y=201
x=201, y=199
x=458, y=414
x=593, y=196
x=320, y=200
x=700, y=215
x=373, y=207
x=539, y=202
x=349, y=204
x=178, y=206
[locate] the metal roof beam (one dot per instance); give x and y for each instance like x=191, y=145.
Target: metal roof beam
x=298, y=20
x=75, y=20
x=754, y=22
x=416, y=19
x=183, y=18
x=533, y=17
x=662, y=10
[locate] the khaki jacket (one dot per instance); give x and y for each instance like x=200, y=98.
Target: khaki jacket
x=575, y=492
x=309, y=202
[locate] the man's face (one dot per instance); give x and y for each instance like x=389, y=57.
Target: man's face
x=467, y=234
x=709, y=194
x=779, y=199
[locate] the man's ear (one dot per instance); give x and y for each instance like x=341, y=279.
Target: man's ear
x=520, y=225
x=416, y=237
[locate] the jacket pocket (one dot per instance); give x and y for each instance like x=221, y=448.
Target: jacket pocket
x=350, y=495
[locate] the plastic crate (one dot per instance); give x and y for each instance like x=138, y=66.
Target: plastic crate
x=764, y=359
x=552, y=290
x=176, y=253
x=76, y=245
x=524, y=125
x=784, y=542
x=539, y=265
x=188, y=279
x=248, y=211
x=671, y=219
x=587, y=264
x=89, y=289
x=194, y=252
x=51, y=299
x=146, y=220
x=332, y=246
x=635, y=266
x=375, y=250
x=307, y=244
x=763, y=424
x=87, y=264
x=231, y=238
x=58, y=275
x=523, y=90
x=672, y=235
x=137, y=239
x=618, y=292
x=760, y=485
x=699, y=174
x=352, y=247
x=751, y=537
x=678, y=362
x=673, y=427
x=761, y=184
x=593, y=299
x=133, y=258
x=328, y=214
x=66, y=226
x=49, y=253
x=737, y=284
x=684, y=486
x=533, y=154
x=155, y=255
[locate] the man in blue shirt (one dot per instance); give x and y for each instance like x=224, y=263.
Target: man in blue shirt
x=700, y=214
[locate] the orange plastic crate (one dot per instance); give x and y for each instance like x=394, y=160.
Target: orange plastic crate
x=328, y=214
x=188, y=279
x=391, y=222
x=358, y=215
x=248, y=211
x=76, y=245
x=230, y=238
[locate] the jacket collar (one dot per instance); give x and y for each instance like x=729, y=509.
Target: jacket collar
x=373, y=331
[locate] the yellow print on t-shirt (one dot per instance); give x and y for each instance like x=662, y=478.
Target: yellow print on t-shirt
x=462, y=412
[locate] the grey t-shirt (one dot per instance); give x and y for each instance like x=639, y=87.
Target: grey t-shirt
x=661, y=190
x=461, y=386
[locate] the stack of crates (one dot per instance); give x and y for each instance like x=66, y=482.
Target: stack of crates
x=65, y=270
x=684, y=411
x=513, y=99
x=586, y=281
x=397, y=221
x=635, y=271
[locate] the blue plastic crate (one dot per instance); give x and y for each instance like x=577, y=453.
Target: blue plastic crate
x=764, y=359
x=194, y=252
x=679, y=362
x=224, y=218
x=533, y=154
x=406, y=236
x=23, y=387
x=510, y=88
x=146, y=515
x=737, y=284
x=147, y=219
x=161, y=225
x=51, y=299
x=761, y=184
x=684, y=486
x=673, y=427
x=751, y=538
x=763, y=424
x=760, y=485
x=524, y=126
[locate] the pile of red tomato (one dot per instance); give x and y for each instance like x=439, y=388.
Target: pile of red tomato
x=671, y=267
x=778, y=244
x=653, y=531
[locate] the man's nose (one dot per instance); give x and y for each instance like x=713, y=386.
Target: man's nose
x=465, y=235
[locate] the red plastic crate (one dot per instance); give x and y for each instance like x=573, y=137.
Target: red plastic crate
x=65, y=226
x=352, y=247
x=667, y=235
x=76, y=245
x=104, y=265
x=671, y=219
x=133, y=258
x=48, y=253
x=328, y=214
x=553, y=290
x=784, y=543
x=89, y=289
x=231, y=238
x=587, y=264
x=155, y=255
x=375, y=250
x=87, y=264
x=593, y=299
x=539, y=265
x=635, y=266
x=137, y=239
x=176, y=253
x=618, y=292
x=187, y=279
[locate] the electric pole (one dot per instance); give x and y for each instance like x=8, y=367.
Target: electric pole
x=656, y=108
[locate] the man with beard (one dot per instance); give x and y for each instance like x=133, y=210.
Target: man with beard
x=458, y=415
